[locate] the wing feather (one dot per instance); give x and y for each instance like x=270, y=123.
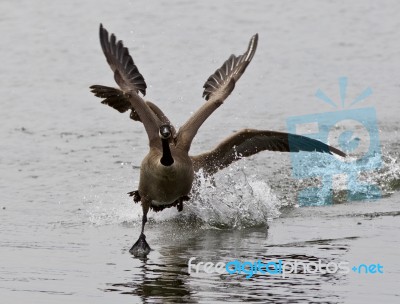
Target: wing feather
x=119, y=59
x=248, y=142
x=216, y=89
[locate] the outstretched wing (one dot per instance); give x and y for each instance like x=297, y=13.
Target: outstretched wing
x=126, y=73
x=127, y=76
x=216, y=89
x=249, y=142
x=232, y=69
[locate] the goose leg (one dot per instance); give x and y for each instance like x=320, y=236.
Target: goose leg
x=180, y=201
x=179, y=205
x=141, y=248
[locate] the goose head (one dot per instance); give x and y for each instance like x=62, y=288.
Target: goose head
x=165, y=131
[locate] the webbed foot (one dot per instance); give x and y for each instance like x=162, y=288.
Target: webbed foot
x=140, y=248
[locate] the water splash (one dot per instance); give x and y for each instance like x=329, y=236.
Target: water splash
x=107, y=201
x=388, y=177
x=106, y=210
x=232, y=199
x=356, y=183
x=229, y=199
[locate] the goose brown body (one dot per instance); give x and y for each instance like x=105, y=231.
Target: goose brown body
x=163, y=185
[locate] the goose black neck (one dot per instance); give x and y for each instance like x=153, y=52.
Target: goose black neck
x=166, y=159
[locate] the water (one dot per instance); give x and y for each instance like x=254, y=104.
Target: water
x=67, y=161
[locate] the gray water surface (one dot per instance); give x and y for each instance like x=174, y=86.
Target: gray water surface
x=67, y=161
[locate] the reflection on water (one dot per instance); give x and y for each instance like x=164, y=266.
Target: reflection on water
x=166, y=278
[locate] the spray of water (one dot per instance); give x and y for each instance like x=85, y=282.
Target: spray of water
x=350, y=180
x=233, y=198
x=229, y=199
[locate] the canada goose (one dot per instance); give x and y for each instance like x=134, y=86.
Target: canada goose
x=167, y=172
